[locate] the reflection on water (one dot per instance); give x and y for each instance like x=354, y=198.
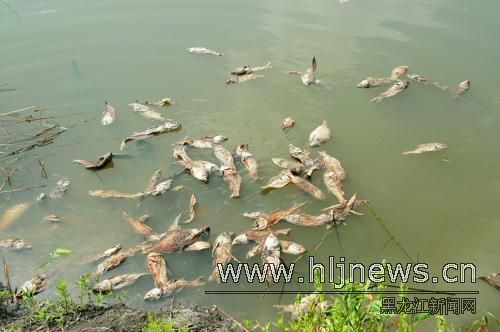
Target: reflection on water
x=440, y=207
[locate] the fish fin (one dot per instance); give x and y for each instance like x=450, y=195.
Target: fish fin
x=314, y=64
x=175, y=225
x=377, y=99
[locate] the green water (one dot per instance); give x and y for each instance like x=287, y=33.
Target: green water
x=68, y=57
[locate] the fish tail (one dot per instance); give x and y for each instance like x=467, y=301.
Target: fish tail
x=377, y=99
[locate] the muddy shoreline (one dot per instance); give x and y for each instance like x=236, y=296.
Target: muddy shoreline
x=118, y=317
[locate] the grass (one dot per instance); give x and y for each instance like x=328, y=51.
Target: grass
x=159, y=324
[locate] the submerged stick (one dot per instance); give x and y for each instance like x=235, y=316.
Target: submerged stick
x=386, y=229
x=18, y=111
x=21, y=189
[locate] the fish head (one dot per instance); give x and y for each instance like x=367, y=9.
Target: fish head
x=465, y=84
x=272, y=242
x=260, y=223
x=153, y=294
x=218, y=139
x=240, y=239
x=364, y=84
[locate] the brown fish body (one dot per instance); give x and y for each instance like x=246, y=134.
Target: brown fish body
x=138, y=225
x=306, y=186
x=332, y=164
x=398, y=72
x=308, y=220
x=258, y=235
x=278, y=181
x=224, y=156
x=106, y=253
x=14, y=244
x=427, y=147
x=248, y=160
x=274, y=218
x=171, y=287
x=334, y=185
x=101, y=162
x=221, y=254
x=292, y=248
x=320, y=135
x=232, y=177
x=177, y=239
x=242, y=78
x=167, y=126
x=192, y=203
x=146, y=112
x=34, y=286
x=115, y=260
x=12, y=214
x=109, y=114
x=287, y=124
x=392, y=91
x=154, y=180
x=117, y=282
x=294, y=166
x=461, y=88
x=158, y=268
x=372, y=82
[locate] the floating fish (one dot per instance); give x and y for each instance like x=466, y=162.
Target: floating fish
x=117, y=282
x=138, y=225
x=461, y=89
x=34, y=286
x=372, y=82
x=231, y=176
x=320, y=135
x=271, y=255
x=334, y=185
x=61, y=187
x=221, y=254
x=305, y=186
x=206, y=142
x=278, y=181
x=203, y=50
x=308, y=220
x=108, y=252
x=303, y=156
x=242, y=78
x=248, y=160
x=192, y=203
x=306, y=304
x=163, y=102
x=109, y=114
x=307, y=77
x=428, y=147
x=293, y=166
x=13, y=213
x=264, y=221
x=398, y=72
x=167, y=126
x=292, y=248
x=258, y=235
x=14, y=244
x=244, y=70
x=224, y=156
x=52, y=218
x=176, y=240
x=115, y=260
x=146, y=111
x=287, y=124
x=101, y=162
x=392, y=91
x=332, y=164
x=157, y=265
x=171, y=287
x=425, y=81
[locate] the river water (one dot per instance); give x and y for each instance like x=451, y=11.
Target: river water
x=68, y=57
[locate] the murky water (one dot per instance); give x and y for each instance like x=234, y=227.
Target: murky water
x=68, y=58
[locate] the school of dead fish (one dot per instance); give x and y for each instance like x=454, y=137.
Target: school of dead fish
x=296, y=171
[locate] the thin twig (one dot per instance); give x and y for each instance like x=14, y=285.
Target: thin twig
x=231, y=318
x=12, y=10
x=18, y=111
x=22, y=189
x=43, y=173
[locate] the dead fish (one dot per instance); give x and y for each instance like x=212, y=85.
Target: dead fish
x=320, y=135
x=308, y=220
x=203, y=50
x=163, y=102
x=114, y=194
x=307, y=77
x=305, y=186
x=372, y=82
x=138, y=225
x=248, y=160
x=255, y=251
x=231, y=176
x=242, y=78
x=178, y=188
x=109, y=114
x=332, y=164
x=198, y=246
x=158, y=268
x=41, y=197
x=303, y=156
x=461, y=88
x=271, y=255
x=101, y=162
x=61, y=187
x=398, y=72
x=492, y=279
x=340, y=212
x=243, y=70
x=258, y=235
x=305, y=305
x=52, y=218
x=287, y=123
x=293, y=166
x=195, y=169
x=428, y=147
x=278, y=181
x=197, y=143
x=210, y=167
x=108, y=252
x=34, y=286
x=146, y=111
x=425, y=81
x=12, y=214
x=392, y=91
x=117, y=282
x=154, y=180
x=167, y=126
x=160, y=188
x=192, y=203
x=176, y=240
x=114, y=260
x=171, y=287
x=14, y=244
x=268, y=220
x=334, y=185
x=224, y=156
x=221, y=254
x=292, y=248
